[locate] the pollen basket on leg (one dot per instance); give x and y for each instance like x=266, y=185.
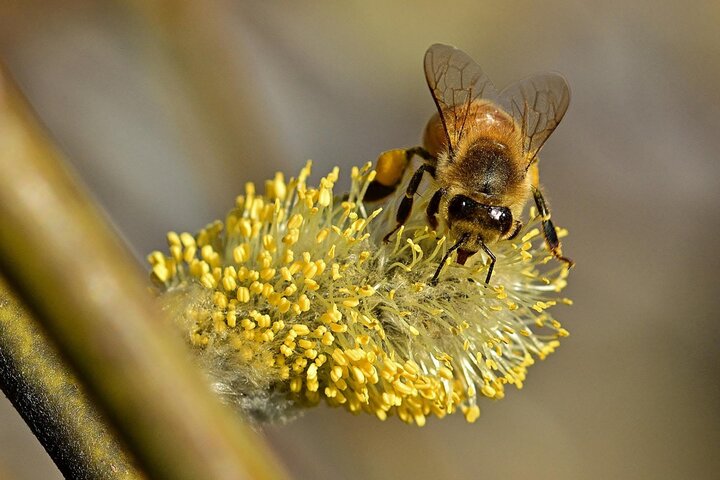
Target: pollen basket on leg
x=294, y=300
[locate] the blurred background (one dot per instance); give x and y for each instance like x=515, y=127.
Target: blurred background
x=166, y=108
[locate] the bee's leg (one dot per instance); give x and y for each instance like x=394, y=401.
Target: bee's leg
x=450, y=251
x=407, y=202
x=433, y=208
x=420, y=152
x=551, y=239
x=492, y=261
x=389, y=170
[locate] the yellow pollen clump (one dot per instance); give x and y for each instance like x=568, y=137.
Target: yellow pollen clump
x=294, y=299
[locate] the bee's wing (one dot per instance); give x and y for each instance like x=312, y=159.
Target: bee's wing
x=537, y=104
x=455, y=80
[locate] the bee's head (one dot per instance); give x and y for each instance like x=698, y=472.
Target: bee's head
x=489, y=222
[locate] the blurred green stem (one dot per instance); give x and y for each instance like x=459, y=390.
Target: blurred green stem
x=80, y=282
x=52, y=402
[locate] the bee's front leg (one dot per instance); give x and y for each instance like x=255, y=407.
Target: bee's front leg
x=450, y=251
x=406, y=204
x=433, y=208
x=492, y=262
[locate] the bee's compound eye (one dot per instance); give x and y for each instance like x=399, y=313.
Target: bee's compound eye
x=499, y=213
x=461, y=207
x=503, y=217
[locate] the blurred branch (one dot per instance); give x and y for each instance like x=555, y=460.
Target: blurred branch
x=52, y=402
x=69, y=268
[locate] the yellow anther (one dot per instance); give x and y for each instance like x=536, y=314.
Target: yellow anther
x=267, y=273
x=256, y=287
x=189, y=253
x=402, y=388
x=295, y=384
x=310, y=270
x=229, y=283
x=351, y=302
x=311, y=284
x=263, y=321
x=295, y=221
x=530, y=235
x=336, y=373
x=366, y=291
x=358, y=375
x=322, y=235
x=161, y=272
x=231, y=318
x=304, y=302
x=187, y=240
x=208, y=281
x=220, y=300
x=291, y=237
x=306, y=344
x=327, y=339
x=245, y=227
x=335, y=269
x=276, y=188
x=301, y=329
x=324, y=197
x=332, y=315
x=285, y=274
x=247, y=324
x=241, y=253
x=243, y=294
x=176, y=252
x=156, y=257
x=173, y=239
x=284, y=305
x=445, y=373
x=339, y=357
x=472, y=413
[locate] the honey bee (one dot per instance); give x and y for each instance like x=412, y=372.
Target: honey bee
x=482, y=148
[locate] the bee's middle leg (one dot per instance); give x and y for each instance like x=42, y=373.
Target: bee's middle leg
x=551, y=238
x=406, y=204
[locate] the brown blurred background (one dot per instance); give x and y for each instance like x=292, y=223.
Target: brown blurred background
x=166, y=108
